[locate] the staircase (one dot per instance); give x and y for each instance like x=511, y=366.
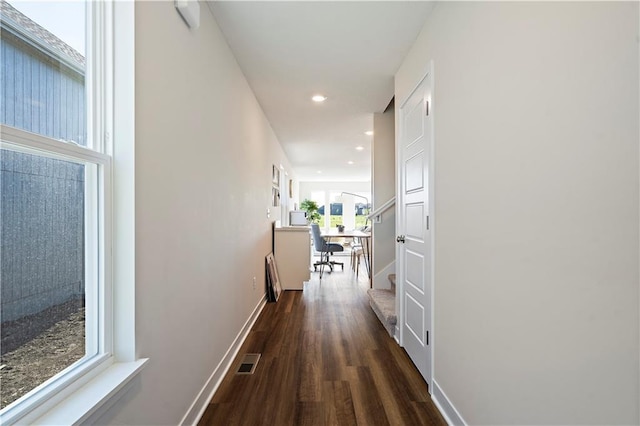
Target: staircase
x=383, y=303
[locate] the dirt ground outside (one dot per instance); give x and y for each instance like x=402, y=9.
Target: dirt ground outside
x=32, y=363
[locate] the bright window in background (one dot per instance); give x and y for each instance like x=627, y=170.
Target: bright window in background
x=349, y=208
x=335, y=200
x=55, y=201
x=362, y=208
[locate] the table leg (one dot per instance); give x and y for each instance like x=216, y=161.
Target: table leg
x=366, y=252
x=321, y=264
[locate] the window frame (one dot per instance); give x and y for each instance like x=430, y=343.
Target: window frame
x=115, y=363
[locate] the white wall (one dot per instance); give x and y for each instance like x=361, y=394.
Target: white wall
x=536, y=196
x=204, y=152
x=384, y=188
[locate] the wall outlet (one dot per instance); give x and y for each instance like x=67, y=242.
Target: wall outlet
x=254, y=283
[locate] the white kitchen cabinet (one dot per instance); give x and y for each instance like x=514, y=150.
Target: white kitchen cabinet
x=293, y=256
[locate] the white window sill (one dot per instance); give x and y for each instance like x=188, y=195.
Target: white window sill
x=88, y=400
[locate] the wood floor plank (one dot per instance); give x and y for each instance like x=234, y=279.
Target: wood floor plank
x=309, y=414
x=367, y=404
x=330, y=412
x=310, y=383
x=326, y=360
x=341, y=402
x=333, y=359
x=216, y=414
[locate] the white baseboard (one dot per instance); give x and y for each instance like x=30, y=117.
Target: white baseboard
x=381, y=279
x=197, y=408
x=448, y=411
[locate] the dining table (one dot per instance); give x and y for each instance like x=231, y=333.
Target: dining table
x=362, y=237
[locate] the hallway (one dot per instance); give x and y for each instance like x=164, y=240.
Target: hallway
x=326, y=360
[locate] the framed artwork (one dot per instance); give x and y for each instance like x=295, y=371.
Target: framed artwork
x=274, y=289
x=275, y=186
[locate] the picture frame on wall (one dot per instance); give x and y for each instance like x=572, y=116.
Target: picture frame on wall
x=274, y=288
x=275, y=197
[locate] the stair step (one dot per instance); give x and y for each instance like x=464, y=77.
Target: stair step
x=383, y=303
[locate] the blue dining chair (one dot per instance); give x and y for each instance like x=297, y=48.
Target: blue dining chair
x=325, y=249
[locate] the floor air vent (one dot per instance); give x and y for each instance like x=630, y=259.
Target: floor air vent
x=248, y=364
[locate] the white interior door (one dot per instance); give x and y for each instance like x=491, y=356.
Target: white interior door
x=414, y=234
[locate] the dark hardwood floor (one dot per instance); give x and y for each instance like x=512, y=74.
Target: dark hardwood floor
x=326, y=360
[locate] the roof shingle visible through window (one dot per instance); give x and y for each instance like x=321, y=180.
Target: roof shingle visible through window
x=38, y=33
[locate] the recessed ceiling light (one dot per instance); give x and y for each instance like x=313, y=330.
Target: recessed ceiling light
x=369, y=133
x=319, y=172
x=349, y=162
x=360, y=148
x=319, y=98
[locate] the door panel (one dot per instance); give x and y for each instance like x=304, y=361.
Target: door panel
x=414, y=267
x=415, y=318
x=415, y=221
x=414, y=168
x=415, y=128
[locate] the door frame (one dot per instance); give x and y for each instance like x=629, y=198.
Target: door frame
x=432, y=220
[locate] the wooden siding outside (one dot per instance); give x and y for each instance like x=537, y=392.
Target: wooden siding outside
x=40, y=95
x=42, y=200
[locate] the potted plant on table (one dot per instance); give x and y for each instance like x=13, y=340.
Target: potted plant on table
x=312, y=209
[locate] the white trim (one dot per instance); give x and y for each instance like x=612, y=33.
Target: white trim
x=399, y=335
x=639, y=181
x=382, y=208
x=199, y=405
x=432, y=216
x=445, y=406
x=381, y=279
x=80, y=407
x=123, y=181
x=40, y=399
x=33, y=143
x=94, y=284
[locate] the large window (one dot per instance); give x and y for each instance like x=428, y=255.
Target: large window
x=55, y=232
x=338, y=207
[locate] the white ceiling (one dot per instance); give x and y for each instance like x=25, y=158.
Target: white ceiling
x=347, y=51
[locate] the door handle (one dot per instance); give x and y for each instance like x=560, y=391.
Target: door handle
x=400, y=238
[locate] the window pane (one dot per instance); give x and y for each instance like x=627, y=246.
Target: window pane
x=336, y=209
x=42, y=254
x=363, y=208
x=42, y=84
